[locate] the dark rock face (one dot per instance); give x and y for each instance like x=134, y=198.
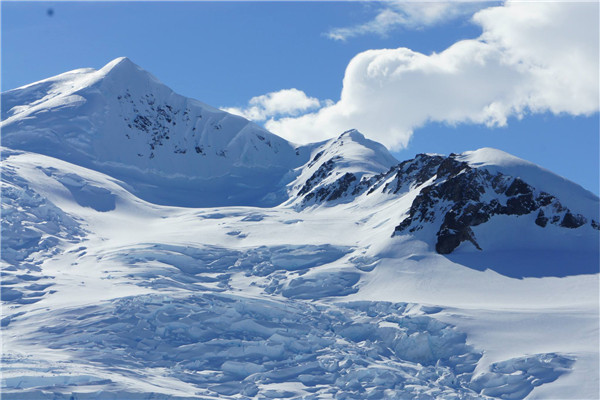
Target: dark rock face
x=454, y=230
x=411, y=172
x=541, y=219
x=316, y=158
x=460, y=197
x=320, y=174
x=333, y=191
x=341, y=186
x=572, y=221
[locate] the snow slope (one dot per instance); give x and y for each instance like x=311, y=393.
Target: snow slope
x=341, y=291
x=494, y=160
x=122, y=121
x=336, y=169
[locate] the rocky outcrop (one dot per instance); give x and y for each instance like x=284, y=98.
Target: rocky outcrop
x=321, y=173
x=409, y=173
x=333, y=191
x=340, y=170
x=460, y=197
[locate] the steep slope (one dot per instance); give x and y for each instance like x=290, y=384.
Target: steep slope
x=459, y=197
x=338, y=170
x=169, y=149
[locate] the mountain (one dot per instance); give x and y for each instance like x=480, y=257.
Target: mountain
x=487, y=191
x=272, y=270
x=337, y=168
x=459, y=194
x=168, y=149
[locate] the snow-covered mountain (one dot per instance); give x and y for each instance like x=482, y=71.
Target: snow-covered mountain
x=457, y=195
x=322, y=271
x=167, y=148
x=338, y=168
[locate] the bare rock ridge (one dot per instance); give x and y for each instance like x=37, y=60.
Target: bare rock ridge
x=459, y=197
x=452, y=194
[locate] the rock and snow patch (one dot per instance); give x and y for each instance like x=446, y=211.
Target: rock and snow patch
x=459, y=197
x=339, y=170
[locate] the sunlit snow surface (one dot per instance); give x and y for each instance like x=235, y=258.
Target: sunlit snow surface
x=166, y=148
x=155, y=274
x=107, y=296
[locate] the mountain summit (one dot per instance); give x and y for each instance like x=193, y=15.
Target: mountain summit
x=168, y=148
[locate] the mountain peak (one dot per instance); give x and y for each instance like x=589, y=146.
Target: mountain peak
x=122, y=72
x=119, y=62
x=353, y=134
x=122, y=120
x=121, y=65
x=337, y=168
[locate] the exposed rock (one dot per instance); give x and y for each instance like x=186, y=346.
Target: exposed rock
x=572, y=221
x=541, y=219
x=455, y=199
x=520, y=205
x=320, y=174
x=411, y=172
x=333, y=191
x=341, y=186
x=518, y=187
x=316, y=158
x=454, y=230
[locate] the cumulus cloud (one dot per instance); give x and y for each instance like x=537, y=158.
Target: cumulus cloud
x=531, y=58
x=406, y=14
x=287, y=102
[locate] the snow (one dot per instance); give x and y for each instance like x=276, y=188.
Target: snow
x=350, y=154
x=288, y=310
x=577, y=198
x=106, y=294
x=123, y=121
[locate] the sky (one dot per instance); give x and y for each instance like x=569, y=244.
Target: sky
x=419, y=77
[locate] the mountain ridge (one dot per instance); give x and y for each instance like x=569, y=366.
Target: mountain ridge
x=234, y=264
x=123, y=121
x=172, y=150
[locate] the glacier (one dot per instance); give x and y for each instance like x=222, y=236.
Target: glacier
x=156, y=247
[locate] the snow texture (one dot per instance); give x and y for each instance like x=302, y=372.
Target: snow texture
x=156, y=247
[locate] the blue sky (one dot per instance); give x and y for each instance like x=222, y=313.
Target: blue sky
x=224, y=54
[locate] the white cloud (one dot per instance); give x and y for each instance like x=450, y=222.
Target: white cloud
x=287, y=102
x=407, y=14
x=385, y=21
x=531, y=58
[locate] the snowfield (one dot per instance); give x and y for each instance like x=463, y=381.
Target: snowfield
x=343, y=274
